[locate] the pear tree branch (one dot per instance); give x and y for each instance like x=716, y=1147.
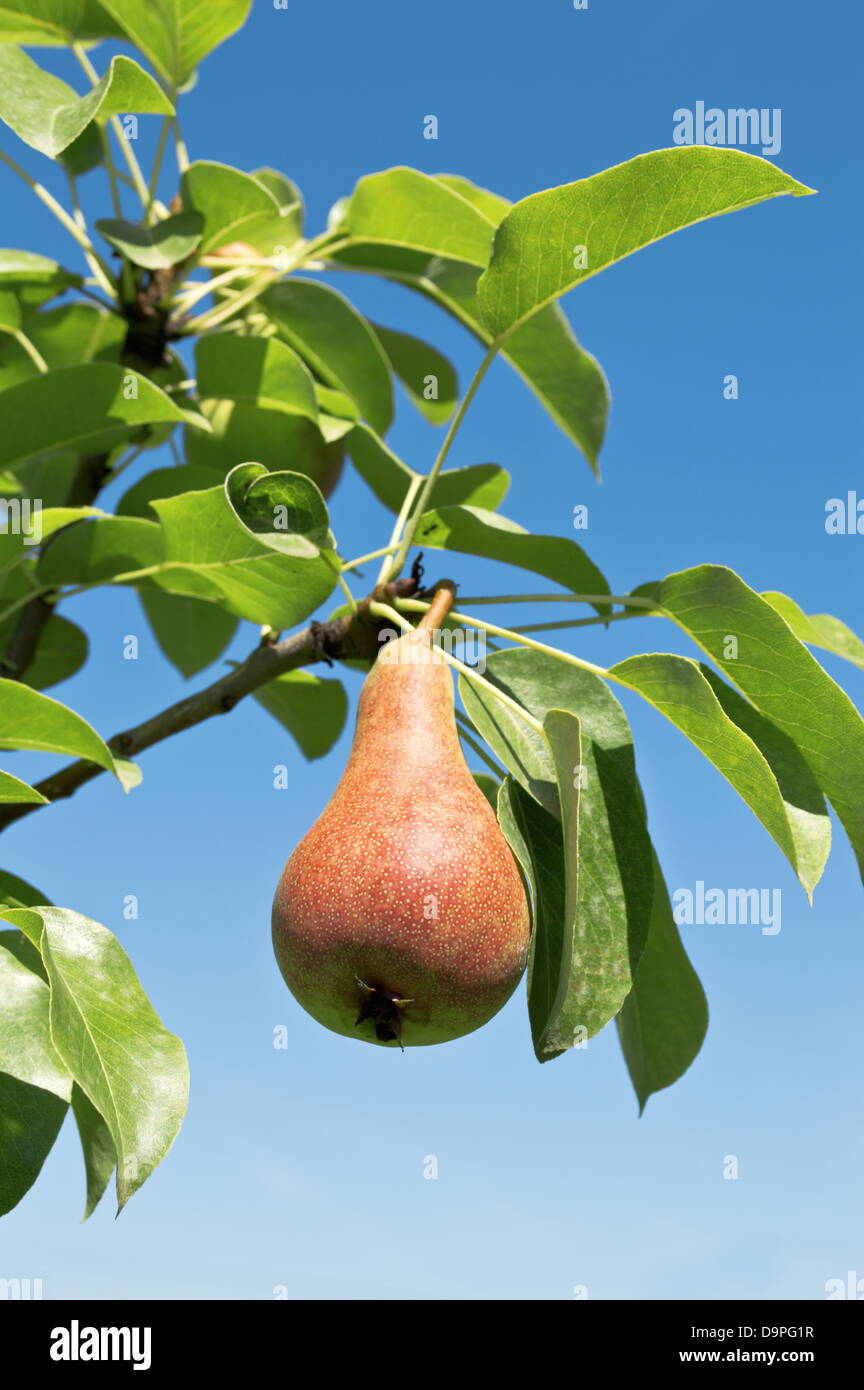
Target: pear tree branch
x=349, y=636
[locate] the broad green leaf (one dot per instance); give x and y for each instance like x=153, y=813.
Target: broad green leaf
x=163, y=482
x=289, y=199
x=164, y=244
x=426, y=374
x=819, y=629
x=311, y=709
x=260, y=371
x=664, y=1018
x=241, y=430
x=492, y=205
x=132, y=1070
x=30, y=1120
x=475, y=531
x=33, y=527
x=90, y=407
x=280, y=508
x=97, y=1146
x=35, y=1086
x=15, y=892
x=190, y=632
x=35, y=278
x=26, y=1051
x=678, y=689
x=92, y=552
x=209, y=553
x=553, y=240
x=537, y=841
x=10, y=311
x=336, y=341
x=64, y=336
x=480, y=485
x=49, y=115
x=780, y=677
x=595, y=885
x=29, y=719
x=403, y=208
x=175, y=35
x=805, y=805
x=54, y=22
x=85, y=153
x=63, y=649
x=235, y=207
x=566, y=379
x=12, y=789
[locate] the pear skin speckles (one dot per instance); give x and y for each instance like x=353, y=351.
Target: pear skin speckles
x=405, y=882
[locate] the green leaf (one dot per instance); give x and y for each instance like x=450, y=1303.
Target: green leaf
x=132, y=1070
x=164, y=244
x=261, y=371
x=163, y=482
x=64, y=336
x=541, y=246
x=93, y=552
x=175, y=35
x=54, y=22
x=336, y=341
x=312, y=710
x=49, y=115
x=12, y=789
x=819, y=629
x=209, y=553
x=403, y=208
x=285, y=510
x=289, y=199
x=35, y=1086
x=97, y=1145
x=664, y=1018
x=26, y=1050
x=235, y=207
x=429, y=379
x=15, y=892
x=90, y=407
x=10, y=311
x=190, y=632
x=474, y=531
x=780, y=677
x=35, y=278
x=677, y=687
x=593, y=879
x=63, y=649
x=805, y=805
x=566, y=379
x=480, y=485
x=242, y=430
x=33, y=720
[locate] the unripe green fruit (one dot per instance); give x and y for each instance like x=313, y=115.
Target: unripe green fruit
x=403, y=903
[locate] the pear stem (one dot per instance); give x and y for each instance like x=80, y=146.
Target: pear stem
x=440, y=606
x=383, y=610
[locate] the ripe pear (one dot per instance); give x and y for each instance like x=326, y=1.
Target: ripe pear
x=401, y=916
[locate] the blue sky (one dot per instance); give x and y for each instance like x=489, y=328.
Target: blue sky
x=304, y=1168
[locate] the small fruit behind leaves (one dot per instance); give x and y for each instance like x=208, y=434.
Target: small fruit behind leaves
x=401, y=916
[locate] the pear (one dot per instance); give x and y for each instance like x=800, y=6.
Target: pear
x=401, y=916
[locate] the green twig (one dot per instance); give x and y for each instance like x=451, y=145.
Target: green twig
x=429, y=481
x=103, y=274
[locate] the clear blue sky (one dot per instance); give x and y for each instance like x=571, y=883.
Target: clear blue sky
x=305, y=1168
